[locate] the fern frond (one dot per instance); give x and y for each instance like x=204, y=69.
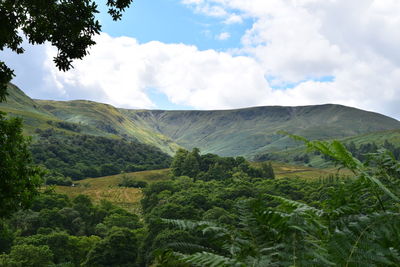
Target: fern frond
x=341, y=153
x=188, y=224
x=368, y=239
x=297, y=205
x=209, y=259
x=375, y=181
x=189, y=247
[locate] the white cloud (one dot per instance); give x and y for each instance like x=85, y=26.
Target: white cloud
x=296, y=41
x=120, y=71
x=223, y=36
x=291, y=41
x=233, y=19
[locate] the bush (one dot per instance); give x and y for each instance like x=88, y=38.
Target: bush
x=56, y=178
x=131, y=182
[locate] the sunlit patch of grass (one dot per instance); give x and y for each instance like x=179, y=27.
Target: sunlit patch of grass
x=285, y=170
x=107, y=188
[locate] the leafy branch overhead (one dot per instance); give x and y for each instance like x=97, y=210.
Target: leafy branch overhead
x=68, y=25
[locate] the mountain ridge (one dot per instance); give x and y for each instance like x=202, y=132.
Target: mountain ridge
x=206, y=129
x=229, y=132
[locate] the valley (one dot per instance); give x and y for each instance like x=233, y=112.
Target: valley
x=203, y=188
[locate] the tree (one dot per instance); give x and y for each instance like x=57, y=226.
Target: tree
x=119, y=248
x=19, y=179
x=177, y=167
x=68, y=25
x=27, y=255
x=267, y=170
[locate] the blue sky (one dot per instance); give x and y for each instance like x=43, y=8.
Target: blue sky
x=169, y=21
x=222, y=54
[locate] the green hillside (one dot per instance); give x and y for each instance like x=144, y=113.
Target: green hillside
x=90, y=118
x=254, y=130
x=246, y=132
x=106, y=119
x=91, y=146
x=19, y=104
x=378, y=137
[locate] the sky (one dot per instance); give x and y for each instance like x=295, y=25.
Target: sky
x=223, y=54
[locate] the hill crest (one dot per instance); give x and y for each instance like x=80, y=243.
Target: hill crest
x=232, y=132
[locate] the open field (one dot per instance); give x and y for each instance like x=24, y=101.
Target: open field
x=107, y=188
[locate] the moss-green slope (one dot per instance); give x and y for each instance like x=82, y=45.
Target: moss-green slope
x=246, y=132
x=18, y=104
x=254, y=130
x=90, y=117
x=106, y=118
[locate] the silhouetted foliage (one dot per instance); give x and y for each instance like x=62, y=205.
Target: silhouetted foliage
x=68, y=25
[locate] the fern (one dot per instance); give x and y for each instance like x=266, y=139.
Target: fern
x=342, y=156
x=209, y=259
x=300, y=207
x=371, y=239
x=359, y=224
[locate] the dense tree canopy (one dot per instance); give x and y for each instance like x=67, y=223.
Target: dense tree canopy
x=58, y=231
x=213, y=167
x=82, y=156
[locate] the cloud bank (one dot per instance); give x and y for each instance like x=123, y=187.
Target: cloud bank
x=296, y=52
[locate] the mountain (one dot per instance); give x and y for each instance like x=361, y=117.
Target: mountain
x=80, y=117
x=245, y=132
x=108, y=120
x=250, y=131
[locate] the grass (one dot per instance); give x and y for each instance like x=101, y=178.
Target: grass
x=107, y=188
x=283, y=170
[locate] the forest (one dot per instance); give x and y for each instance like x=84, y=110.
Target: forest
x=222, y=211
x=80, y=156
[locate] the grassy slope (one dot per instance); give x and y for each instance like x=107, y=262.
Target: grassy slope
x=244, y=132
x=35, y=116
x=20, y=105
x=393, y=136
x=107, y=188
x=254, y=130
x=107, y=118
x=93, y=118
